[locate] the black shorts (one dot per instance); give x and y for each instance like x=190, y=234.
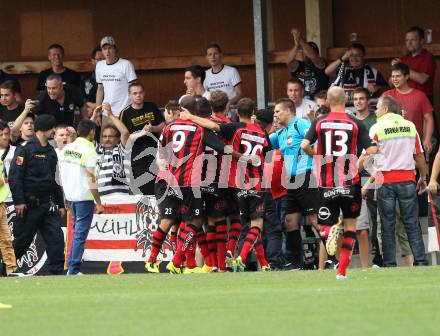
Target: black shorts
x=250, y=204
x=215, y=201
x=333, y=200
x=304, y=197
x=183, y=203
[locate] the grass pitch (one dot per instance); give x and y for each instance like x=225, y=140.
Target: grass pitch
x=398, y=301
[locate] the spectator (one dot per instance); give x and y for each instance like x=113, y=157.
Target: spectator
x=305, y=108
x=220, y=76
x=6, y=153
x=23, y=128
x=136, y=117
x=38, y=199
x=10, y=109
x=396, y=178
x=356, y=73
x=416, y=106
x=310, y=71
x=77, y=167
x=4, y=77
x=420, y=62
x=63, y=135
x=113, y=75
x=321, y=99
x=55, y=54
x=361, y=101
x=111, y=175
x=61, y=101
x=88, y=84
x=194, y=78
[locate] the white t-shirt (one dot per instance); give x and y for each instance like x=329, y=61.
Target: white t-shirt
x=75, y=159
x=225, y=80
x=115, y=78
x=301, y=111
x=7, y=163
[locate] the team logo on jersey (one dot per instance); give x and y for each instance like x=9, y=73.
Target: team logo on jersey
x=354, y=207
x=260, y=208
x=289, y=141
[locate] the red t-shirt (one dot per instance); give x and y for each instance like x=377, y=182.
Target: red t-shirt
x=422, y=62
x=415, y=103
x=275, y=174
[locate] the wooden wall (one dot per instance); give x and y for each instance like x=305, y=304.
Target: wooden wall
x=152, y=28
x=163, y=28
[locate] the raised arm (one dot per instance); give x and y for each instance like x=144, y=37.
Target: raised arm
x=15, y=129
x=291, y=62
x=206, y=123
x=118, y=123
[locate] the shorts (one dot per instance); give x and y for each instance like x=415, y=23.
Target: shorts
x=364, y=220
x=215, y=202
x=250, y=204
x=181, y=203
x=333, y=200
x=303, y=199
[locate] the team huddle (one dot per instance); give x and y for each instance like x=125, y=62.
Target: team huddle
x=211, y=168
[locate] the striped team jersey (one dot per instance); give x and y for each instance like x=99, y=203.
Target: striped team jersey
x=249, y=139
x=341, y=139
x=182, y=144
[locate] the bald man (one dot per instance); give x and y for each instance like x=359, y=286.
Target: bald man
x=340, y=139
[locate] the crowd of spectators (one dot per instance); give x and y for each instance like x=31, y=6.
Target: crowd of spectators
x=105, y=117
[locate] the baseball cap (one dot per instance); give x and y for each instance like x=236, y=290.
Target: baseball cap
x=108, y=40
x=45, y=122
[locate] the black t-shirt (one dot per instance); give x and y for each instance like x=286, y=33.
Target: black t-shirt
x=313, y=78
x=68, y=76
x=5, y=77
x=135, y=120
x=89, y=87
x=64, y=114
x=9, y=116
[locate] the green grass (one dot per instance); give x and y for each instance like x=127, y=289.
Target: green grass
x=397, y=301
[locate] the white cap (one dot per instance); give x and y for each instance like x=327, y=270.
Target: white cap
x=108, y=40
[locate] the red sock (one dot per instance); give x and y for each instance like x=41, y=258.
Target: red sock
x=201, y=241
x=212, y=246
x=173, y=238
x=234, y=234
x=190, y=255
x=186, y=236
x=221, y=236
x=259, y=251
x=346, y=249
x=156, y=244
x=249, y=242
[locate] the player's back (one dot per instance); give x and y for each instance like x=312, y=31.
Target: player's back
x=337, y=149
x=181, y=146
x=249, y=139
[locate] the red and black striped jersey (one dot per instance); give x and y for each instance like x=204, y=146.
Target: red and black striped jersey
x=340, y=140
x=182, y=145
x=249, y=139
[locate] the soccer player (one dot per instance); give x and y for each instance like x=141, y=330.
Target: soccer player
x=340, y=139
x=181, y=145
x=246, y=179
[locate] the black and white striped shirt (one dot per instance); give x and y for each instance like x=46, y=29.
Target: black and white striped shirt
x=111, y=175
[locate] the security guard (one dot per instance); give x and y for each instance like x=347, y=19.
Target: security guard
x=37, y=197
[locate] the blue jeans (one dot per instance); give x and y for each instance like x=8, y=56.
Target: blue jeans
x=82, y=215
x=272, y=233
x=406, y=194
